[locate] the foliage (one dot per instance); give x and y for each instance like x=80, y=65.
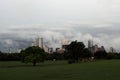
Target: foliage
x=110, y=55
x=75, y=50
x=48, y=56
x=86, y=53
x=58, y=56
x=100, y=55
x=9, y=56
x=33, y=54
x=117, y=55
x=55, y=55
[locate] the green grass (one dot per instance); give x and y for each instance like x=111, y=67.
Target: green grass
x=60, y=70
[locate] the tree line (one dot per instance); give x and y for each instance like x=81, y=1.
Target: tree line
x=9, y=56
x=74, y=52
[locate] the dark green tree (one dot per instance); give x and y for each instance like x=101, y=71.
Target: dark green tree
x=100, y=55
x=58, y=56
x=33, y=54
x=110, y=55
x=75, y=50
x=117, y=55
x=86, y=55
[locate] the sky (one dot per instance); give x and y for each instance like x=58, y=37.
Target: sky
x=56, y=20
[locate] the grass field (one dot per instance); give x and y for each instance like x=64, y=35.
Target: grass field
x=60, y=70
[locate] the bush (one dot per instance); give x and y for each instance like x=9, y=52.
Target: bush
x=110, y=55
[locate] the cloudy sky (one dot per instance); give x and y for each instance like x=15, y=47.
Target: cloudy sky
x=55, y=20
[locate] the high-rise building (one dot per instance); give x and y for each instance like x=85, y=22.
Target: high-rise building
x=59, y=50
x=65, y=43
x=95, y=48
x=41, y=43
x=48, y=50
x=90, y=46
x=34, y=42
x=90, y=43
x=38, y=42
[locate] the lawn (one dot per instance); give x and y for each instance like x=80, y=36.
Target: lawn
x=60, y=70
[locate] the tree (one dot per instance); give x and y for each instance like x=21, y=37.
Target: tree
x=100, y=54
x=58, y=56
x=110, y=55
x=9, y=56
x=33, y=54
x=86, y=54
x=117, y=55
x=75, y=50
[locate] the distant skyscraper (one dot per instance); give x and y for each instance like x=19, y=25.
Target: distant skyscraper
x=34, y=42
x=50, y=50
x=46, y=49
x=90, y=47
x=90, y=43
x=38, y=42
x=41, y=43
x=65, y=43
x=95, y=48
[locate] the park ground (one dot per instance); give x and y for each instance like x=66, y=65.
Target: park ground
x=61, y=70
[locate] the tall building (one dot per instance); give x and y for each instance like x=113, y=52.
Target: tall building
x=90, y=46
x=90, y=43
x=40, y=43
x=101, y=48
x=95, y=48
x=34, y=42
x=59, y=50
x=65, y=43
x=48, y=50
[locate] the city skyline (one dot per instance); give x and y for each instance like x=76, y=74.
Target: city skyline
x=21, y=21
